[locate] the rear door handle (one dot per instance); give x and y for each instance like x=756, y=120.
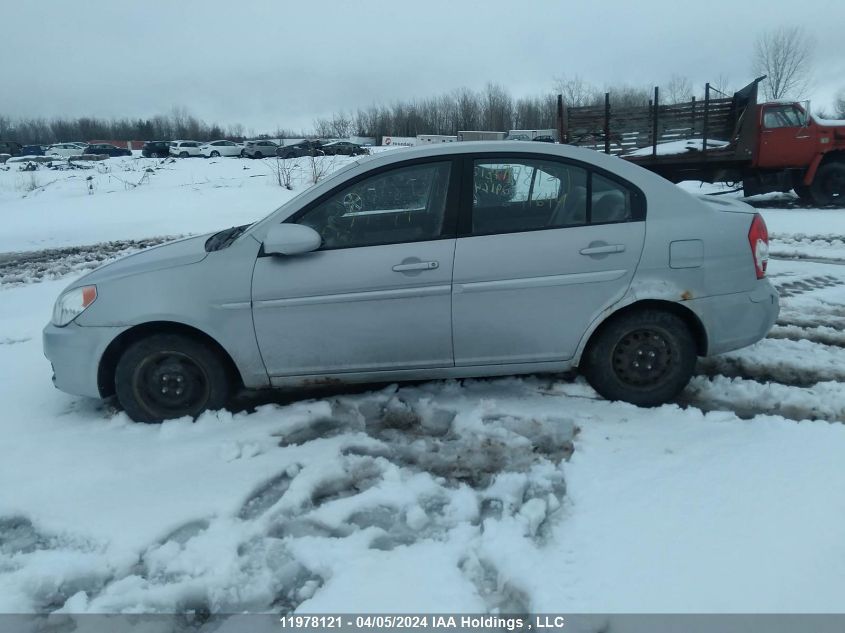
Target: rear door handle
x=402, y=268
x=603, y=250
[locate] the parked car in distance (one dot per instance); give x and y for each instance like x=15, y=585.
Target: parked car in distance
x=65, y=150
x=544, y=139
x=32, y=150
x=302, y=148
x=395, y=269
x=106, y=148
x=214, y=149
x=10, y=147
x=156, y=149
x=344, y=148
x=185, y=149
x=259, y=149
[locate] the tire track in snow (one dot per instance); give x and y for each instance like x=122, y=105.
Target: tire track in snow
x=817, y=334
x=799, y=363
x=381, y=471
x=750, y=398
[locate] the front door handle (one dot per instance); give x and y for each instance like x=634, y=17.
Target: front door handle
x=403, y=268
x=604, y=249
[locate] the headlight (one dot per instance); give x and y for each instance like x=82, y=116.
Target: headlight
x=73, y=303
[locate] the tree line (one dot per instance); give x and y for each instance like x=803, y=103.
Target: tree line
x=178, y=124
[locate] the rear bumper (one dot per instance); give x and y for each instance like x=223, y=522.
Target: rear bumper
x=737, y=320
x=75, y=353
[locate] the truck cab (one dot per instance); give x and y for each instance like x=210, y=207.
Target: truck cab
x=811, y=149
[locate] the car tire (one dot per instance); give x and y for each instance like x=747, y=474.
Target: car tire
x=645, y=357
x=215, y=154
x=828, y=186
x=183, y=154
x=167, y=376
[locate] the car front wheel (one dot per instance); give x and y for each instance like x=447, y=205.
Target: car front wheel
x=645, y=357
x=168, y=376
x=215, y=154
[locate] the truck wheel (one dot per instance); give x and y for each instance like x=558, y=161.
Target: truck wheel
x=644, y=357
x=829, y=184
x=168, y=376
x=803, y=192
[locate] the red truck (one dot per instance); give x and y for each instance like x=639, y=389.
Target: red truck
x=775, y=146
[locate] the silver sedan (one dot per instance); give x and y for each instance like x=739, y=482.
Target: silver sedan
x=472, y=259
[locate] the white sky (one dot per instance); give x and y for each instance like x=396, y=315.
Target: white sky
x=283, y=63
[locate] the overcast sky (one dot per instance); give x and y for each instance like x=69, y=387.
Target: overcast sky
x=282, y=63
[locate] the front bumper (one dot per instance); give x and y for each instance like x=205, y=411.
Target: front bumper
x=737, y=320
x=75, y=352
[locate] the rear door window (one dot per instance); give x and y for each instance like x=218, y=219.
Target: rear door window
x=511, y=195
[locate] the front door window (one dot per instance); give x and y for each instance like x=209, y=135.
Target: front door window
x=407, y=204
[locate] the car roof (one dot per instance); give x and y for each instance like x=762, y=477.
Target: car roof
x=581, y=154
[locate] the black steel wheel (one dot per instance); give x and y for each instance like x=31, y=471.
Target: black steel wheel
x=645, y=357
x=829, y=185
x=169, y=376
x=642, y=357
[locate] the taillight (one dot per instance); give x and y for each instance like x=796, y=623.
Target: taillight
x=758, y=238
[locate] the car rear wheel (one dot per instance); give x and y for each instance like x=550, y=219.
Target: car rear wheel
x=183, y=154
x=645, y=357
x=829, y=184
x=168, y=376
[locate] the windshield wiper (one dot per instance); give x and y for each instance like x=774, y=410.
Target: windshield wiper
x=224, y=238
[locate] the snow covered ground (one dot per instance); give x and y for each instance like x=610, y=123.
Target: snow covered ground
x=508, y=495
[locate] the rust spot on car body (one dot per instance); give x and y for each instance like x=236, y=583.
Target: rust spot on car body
x=686, y=295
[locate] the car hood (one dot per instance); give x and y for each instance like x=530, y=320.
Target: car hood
x=179, y=253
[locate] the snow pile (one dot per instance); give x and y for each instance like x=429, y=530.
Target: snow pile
x=679, y=147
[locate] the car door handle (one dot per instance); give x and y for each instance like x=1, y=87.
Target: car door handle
x=603, y=250
x=402, y=268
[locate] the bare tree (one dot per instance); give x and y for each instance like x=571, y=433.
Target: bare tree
x=722, y=84
x=318, y=167
x=282, y=170
x=784, y=55
x=678, y=90
x=576, y=92
x=625, y=96
x=839, y=104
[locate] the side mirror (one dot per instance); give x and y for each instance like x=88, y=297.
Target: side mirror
x=291, y=239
